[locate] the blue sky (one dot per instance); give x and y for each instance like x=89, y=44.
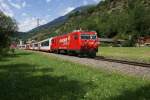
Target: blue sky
x=26, y=12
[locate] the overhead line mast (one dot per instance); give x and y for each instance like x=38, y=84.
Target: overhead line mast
x=38, y=22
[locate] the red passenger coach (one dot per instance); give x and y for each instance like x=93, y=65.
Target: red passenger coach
x=77, y=42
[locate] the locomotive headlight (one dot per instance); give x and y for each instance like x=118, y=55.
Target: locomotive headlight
x=91, y=43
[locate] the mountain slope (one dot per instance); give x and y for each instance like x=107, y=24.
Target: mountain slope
x=110, y=18
x=113, y=19
x=43, y=31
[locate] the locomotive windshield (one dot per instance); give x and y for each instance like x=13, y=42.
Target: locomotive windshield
x=88, y=37
x=94, y=37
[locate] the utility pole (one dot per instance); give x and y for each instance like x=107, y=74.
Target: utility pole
x=38, y=22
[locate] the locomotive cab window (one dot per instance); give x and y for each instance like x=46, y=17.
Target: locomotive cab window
x=52, y=41
x=88, y=37
x=93, y=37
x=75, y=36
x=85, y=37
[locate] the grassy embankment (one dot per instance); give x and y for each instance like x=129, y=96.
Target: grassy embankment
x=127, y=53
x=32, y=76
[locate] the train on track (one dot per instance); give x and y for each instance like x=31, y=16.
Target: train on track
x=76, y=43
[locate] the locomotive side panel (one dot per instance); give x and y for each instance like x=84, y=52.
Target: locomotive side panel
x=73, y=41
x=63, y=42
x=55, y=44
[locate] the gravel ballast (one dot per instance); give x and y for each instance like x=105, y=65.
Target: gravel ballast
x=111, y=66
x=126, y=69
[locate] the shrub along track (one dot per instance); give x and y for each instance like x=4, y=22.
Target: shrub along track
x=124, y=67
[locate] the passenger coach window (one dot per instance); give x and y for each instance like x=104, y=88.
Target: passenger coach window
x=46, y=43
x=36, y=45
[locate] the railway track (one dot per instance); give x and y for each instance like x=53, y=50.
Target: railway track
x=102, y=58
x=100, y=62
x=122, y=61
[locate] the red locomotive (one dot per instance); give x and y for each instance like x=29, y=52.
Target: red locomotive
x=77, y=42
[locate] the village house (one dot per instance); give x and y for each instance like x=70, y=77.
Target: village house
x=143, y=41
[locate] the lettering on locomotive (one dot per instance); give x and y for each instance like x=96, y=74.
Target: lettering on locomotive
x=64, y=40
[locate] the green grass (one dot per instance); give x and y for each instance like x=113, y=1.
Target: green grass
x=127, y=53
x=33, y=76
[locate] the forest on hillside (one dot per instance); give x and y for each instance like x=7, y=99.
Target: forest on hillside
x=117, y=19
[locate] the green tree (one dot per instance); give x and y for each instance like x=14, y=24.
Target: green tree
x=8, y=26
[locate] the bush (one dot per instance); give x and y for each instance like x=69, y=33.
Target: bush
x=7, y=27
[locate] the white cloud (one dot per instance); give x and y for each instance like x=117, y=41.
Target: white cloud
x=67, y=10
x=27, y=24
x=24, y=4
x=42, y=22
x=48, y=1
x=24, y=14
x=5, y=8
x=30, y=23
x=17, y=5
